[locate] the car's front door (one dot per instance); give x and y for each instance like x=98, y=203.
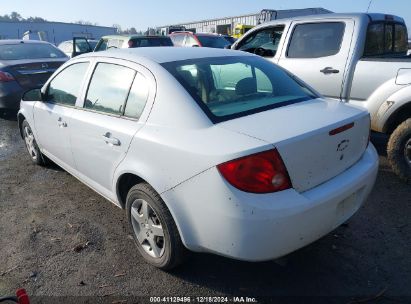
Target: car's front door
x=104, y=125
x=318, y=53
x=52, y=115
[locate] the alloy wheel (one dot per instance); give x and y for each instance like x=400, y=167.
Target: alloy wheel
x=407, y=152
x=30, y=142
x=147, y=228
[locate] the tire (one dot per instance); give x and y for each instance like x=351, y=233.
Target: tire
x=154, y=230
x=399, y=151
x=31, y=145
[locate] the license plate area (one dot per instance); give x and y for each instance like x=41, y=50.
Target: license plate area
x=348, y=206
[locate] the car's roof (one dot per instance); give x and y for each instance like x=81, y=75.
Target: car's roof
x=131, y=36
x=208, y=34
x=18, y=41
x=195, y=34
x=165, y=54
x=371, y=16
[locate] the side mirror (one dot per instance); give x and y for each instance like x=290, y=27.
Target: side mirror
x=33, y=95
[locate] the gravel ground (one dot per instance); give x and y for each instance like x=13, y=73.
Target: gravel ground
x=59, y=238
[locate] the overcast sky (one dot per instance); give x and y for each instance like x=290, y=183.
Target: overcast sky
x=143, y=14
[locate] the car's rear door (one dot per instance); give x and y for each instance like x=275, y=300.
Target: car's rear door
x=52, y=115
x=105, y=122
x=318, y=52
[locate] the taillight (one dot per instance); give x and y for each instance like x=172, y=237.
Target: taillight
x=258, y=173
x=5, y=77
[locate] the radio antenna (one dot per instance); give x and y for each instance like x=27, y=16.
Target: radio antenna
x=369, y=4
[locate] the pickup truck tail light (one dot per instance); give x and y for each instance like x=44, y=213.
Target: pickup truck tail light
x=263, y=172
x=5, y=77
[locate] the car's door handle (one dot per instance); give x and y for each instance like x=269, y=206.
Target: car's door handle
x=61, y=123
x=329, y=70
x=111, y=140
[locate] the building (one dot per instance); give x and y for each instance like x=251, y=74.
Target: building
x=226, y=25
x=54, y=32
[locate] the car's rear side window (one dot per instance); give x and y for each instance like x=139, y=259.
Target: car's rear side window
x=65, y=87
x=137, y=97
x=314, y=40
x=117, y=90
x=230, y=87
x=109, y=87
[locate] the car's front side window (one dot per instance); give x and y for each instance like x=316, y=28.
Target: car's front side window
x=264, y=42
x=109, y=88
x=65, y=87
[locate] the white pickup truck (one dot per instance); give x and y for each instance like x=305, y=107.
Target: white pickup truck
x=355, y=58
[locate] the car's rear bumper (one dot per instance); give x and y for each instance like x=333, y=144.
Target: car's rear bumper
x=212, y=216
x=10, y=95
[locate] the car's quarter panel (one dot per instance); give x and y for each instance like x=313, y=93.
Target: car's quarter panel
x=314, y=70
x=212, y=216
x=376, y=87
x=166, y=156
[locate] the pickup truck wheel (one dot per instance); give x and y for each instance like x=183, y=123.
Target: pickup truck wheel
x=154, y=230
x=35, y=155
x=399, y=150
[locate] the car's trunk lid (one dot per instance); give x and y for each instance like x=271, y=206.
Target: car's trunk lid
x=34, y=72
x=303, y=135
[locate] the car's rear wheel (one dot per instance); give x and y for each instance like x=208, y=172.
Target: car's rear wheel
x=399, y=150
x=31, y=144
x=154, y=230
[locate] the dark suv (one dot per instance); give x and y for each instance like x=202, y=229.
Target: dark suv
x=189, y=39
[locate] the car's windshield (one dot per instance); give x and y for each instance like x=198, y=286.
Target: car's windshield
x=230, y=87
x=213, y=41
x=152, y=41
x=29, y=51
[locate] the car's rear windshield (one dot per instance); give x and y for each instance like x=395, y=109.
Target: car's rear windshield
x=231, y=87
x=385, y=39
x=213, y=41
x=29, y=51
x=147, y=42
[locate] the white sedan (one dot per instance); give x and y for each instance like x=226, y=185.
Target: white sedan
x=207, y=150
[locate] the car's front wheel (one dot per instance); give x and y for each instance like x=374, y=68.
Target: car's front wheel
x=154, y=230
x=31, y=144
x=399, y=150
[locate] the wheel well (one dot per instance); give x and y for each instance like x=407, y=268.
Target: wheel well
x=124, y=184
x=397, y=118
x=20, y=120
